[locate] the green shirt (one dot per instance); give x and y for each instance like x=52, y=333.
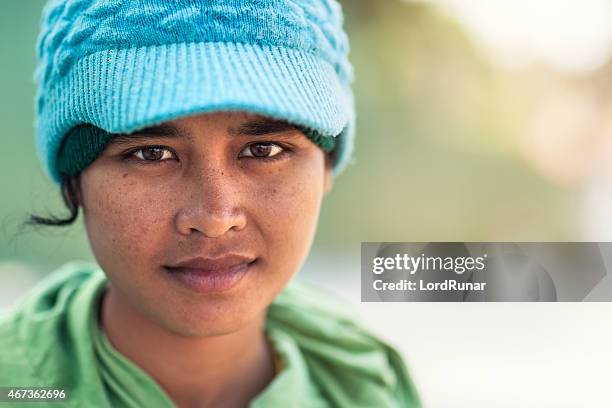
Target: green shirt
x=53, y=339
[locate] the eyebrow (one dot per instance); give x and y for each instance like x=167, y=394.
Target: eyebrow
x=263, y=126
x=150, y=133
x=254, y=127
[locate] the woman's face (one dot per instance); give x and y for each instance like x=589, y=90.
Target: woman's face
x=240, y=191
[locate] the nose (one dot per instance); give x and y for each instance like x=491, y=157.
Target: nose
x=213, y=206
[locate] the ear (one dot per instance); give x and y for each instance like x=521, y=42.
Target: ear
x=328, y=176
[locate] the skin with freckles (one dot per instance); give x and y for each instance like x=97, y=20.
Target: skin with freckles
x=201, y=186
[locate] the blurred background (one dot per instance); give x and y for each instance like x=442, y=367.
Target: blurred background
x=478, y=120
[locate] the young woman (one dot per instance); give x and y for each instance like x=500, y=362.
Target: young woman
x=198, y=138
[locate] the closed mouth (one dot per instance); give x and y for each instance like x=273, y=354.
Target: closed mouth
x=212, y=265
x=206, y=275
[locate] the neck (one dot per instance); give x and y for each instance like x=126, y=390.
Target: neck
x=225, y=370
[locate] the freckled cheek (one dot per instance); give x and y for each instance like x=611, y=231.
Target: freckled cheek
x=287, y=211
x=127, y=221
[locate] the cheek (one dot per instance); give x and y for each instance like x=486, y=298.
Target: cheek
x=125, y=222
x=288, y=210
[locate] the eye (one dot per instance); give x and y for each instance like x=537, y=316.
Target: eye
x=153, y=154
x=261, y=149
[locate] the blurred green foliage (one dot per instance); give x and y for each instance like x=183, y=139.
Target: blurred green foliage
x=436, y=153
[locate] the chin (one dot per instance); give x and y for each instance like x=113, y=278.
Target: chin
x=209, y=320
x=202, y=329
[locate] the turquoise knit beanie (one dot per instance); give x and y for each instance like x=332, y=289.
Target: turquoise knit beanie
x=111, y=67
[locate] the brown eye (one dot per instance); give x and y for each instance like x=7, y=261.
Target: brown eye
x=153, y=154
x=262, y=149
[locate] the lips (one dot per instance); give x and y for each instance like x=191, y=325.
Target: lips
x=212, y=265
x=206, y=275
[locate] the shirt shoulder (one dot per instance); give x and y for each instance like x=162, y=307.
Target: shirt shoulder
x=350, y=364
x=34, y=331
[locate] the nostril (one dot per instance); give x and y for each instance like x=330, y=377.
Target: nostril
x=208, y=222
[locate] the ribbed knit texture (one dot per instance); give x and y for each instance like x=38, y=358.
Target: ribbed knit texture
x=125, y=65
